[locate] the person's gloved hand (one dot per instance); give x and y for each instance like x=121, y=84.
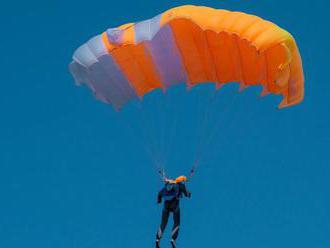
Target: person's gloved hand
x=189, y=194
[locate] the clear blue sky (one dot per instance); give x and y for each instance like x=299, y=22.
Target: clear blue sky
x=73, y=176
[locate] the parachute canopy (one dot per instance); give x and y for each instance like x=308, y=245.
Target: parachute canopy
x=192, y=45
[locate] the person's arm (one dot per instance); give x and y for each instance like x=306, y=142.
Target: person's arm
x=159, y=197
x=185, y=191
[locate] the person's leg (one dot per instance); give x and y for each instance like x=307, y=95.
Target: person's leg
x=176, y=226
x=162, y=226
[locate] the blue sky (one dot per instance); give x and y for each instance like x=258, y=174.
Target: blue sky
x=74, y=174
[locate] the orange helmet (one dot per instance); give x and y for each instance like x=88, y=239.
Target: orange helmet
x=181, y=179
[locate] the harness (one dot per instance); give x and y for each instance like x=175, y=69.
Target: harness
x=171, y=192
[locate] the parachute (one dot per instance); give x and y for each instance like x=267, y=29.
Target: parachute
x=188, y=45
x=191, y=45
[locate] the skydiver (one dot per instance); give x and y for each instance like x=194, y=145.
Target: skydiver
x=171, y=193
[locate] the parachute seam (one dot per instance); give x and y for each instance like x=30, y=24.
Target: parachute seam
x=241, y=73
x=212, y=56
x=180, y=53
x=266, y=71
x=251, y=24
x=198, y=52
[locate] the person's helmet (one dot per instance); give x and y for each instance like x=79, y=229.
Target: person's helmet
x=181, y=179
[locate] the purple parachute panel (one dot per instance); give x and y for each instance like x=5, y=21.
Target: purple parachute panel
x=166, y=57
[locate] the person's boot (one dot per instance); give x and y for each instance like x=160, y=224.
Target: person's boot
x=157, y=243
x=173, y=243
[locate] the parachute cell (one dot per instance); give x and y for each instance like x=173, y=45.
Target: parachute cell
x=192, y=45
